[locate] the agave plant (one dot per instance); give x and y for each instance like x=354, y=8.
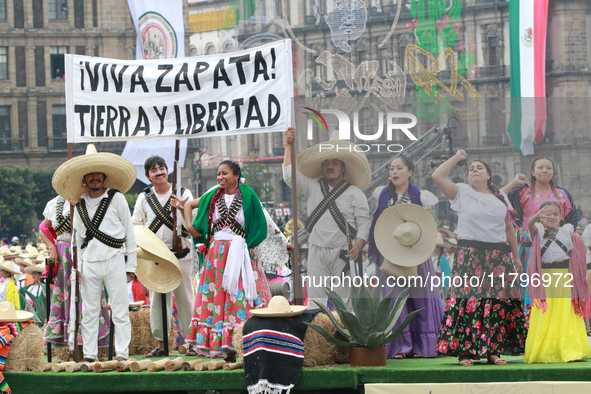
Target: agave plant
x=373, y=319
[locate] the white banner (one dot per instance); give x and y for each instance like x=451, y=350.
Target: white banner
x=217, y=95
x=160, y=28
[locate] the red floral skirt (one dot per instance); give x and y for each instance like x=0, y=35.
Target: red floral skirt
x=485, y=317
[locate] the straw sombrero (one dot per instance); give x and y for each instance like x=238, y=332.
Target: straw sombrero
x=4, y=251
x=452, y=242
x=35, y=268
x=8, y=266
x=26, y=261
x=406, y=235
x=279, y=307
x=41, y=258
x=14, y=251
x=31, y=252
x=8, y=314
x=358, y=172
x=446, y=230
x=42, y=247
x=157, y=267
x=67, y=179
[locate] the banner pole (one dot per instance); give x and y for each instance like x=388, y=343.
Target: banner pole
x=76, y=295
x=298, y=296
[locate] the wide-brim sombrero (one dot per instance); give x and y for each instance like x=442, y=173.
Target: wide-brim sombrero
x=67, y=179
x=24, y=261
x=35, y=268
x=357, y=172
x=9, y=315
x=279, y=307
x=406, y=234
x=157, y=267
x=8, y=266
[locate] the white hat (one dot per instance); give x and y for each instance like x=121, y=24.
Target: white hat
x=357, y=171
x=406, y=234
x=279, y=307
x=8, y=314
x=67, y=179
x=8, y=266
x=157, y=267
x=35, y=268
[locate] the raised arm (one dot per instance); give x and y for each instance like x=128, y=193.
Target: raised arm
x=446, y=186
x=187, y=211
x=289, y=137
x=519, y=179
x=531, y=223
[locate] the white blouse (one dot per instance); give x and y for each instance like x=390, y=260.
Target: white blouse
x=428, y=199
x=50, y=214
x=481, y=216
x=554, y=252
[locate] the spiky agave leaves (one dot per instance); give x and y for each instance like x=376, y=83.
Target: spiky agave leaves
x=373, y=319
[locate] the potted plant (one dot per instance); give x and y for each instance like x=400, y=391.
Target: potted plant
x=369, y=328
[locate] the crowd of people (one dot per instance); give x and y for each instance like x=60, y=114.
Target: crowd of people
x=524, y=230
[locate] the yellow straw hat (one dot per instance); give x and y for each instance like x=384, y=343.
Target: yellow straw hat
x=67, y=179
x=406, y=234
x=157, y=267
x=8, y=314
x=357, y=171
x=279, y=307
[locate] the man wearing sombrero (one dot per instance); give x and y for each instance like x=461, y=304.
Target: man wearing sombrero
x=95, y=183
x=332, y=180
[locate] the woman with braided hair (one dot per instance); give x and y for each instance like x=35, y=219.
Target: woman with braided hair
x=419, y=338
x=230, y=223
x=483, y=317
x=527, y=199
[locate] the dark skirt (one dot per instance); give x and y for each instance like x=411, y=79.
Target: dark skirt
x=485, y=319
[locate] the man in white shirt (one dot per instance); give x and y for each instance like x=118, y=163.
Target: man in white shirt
x=152, y=209
x=332, y=178
x=104, y=235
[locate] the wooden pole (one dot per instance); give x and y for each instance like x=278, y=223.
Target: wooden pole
x=49, y=263
x=202, y=366
x=87, y=367
x=123, y=366
x=298, y=294
x=76, y=295
x=45, y=367
x=74, y=367
x=176, y=238
x=215, y=365
x=232, y=366
x=105, y=366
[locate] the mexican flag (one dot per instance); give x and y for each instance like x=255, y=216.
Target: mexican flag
x=528, y=23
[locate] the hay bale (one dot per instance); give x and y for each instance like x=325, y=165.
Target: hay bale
x=26, y=350
x=317, y=349
x=142, y=340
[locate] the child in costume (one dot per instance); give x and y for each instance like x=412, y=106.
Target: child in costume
x=561, y=297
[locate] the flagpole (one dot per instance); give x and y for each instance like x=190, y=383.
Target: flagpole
x=298, y=296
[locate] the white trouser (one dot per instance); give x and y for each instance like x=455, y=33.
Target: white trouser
x=324, y=263
x=110, y=273
x=185, y=299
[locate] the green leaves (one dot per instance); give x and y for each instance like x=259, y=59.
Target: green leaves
x=372, y=320
x=24, y=192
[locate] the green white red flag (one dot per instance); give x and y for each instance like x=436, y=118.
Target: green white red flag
x=528, y=24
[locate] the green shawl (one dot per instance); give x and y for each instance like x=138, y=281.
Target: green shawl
x=255, y=223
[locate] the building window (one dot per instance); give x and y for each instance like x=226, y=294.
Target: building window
x=253, y=141
x=364, y=121
x=5, y=143
x=58, y=10
x=319, y=70
x=3, y=62
x=3, y=10
x=210, y=50
x=493, y=51
x=56, y=55
x=58, y=116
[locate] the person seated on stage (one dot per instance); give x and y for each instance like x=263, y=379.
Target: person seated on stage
x=8, y=291
x=135, y=290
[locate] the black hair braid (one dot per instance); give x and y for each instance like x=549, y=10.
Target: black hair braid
x=392, y=190
x=532, y=181
x=497, y=193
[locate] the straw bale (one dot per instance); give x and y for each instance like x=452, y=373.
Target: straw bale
x=317, y=349
x=26, y=350
x=142, y=340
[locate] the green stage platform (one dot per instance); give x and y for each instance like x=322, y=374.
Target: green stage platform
x=439, y=370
